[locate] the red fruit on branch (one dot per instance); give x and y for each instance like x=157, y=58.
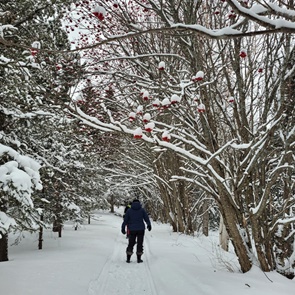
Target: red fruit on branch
x=198, y=77
x=132, y=116
x=175, y=99
x=243, y=53
x=161, y=66
x=201, y=108
x=149, y=127
x=145, y=95
x=146, y=118
x=231, y=99
x=99, y=12
x=34, y=51
x=137, y=133
x=166, y=136
x=156, y=103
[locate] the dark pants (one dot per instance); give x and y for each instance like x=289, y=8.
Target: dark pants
x=135, y=235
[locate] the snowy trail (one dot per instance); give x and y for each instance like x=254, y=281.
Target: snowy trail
x=120, y=278
x=116, y=277
x=92, y=261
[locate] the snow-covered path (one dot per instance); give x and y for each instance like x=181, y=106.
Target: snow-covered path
x=117, y=277
x=120, y=278
x=91, y=261
x=173, y=264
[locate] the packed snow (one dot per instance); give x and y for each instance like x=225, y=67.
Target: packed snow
x=91, y=261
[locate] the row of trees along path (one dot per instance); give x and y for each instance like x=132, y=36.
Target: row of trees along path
x=197, y=97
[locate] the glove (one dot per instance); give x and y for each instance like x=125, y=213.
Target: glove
x=149, y=227
x=123, y=231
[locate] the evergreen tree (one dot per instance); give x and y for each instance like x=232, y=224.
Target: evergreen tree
x=35, y=85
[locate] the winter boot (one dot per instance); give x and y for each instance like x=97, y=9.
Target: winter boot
x=139, y=260
x=129, y=253
x=128, y=258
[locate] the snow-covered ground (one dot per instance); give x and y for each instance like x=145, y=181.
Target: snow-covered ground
x=91, y=261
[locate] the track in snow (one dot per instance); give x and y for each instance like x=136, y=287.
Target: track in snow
x=120, y=278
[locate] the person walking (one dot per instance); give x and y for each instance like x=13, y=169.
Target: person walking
x=134, y=220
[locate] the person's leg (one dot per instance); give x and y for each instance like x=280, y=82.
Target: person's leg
x=139, y=252
x=131, y=244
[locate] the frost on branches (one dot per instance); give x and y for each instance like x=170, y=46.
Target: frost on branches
x=222, y=109
x=34, y=86
x=19, y=178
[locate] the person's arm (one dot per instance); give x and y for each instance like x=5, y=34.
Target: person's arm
x=125, y=222
x=147, y=220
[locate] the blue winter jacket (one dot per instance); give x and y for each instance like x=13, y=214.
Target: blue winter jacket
x=134, y=217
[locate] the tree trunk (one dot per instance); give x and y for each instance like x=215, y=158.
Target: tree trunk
x=40, y=241
x=3, y=236
x=223, y=235
x=237, y=234
x=57, y=227
x=4, y=247
x=112, y=204
x=59, y=231
x=262, y=244
x=205, y=218
x=179, y=216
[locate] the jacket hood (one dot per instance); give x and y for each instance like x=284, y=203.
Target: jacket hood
x=135, y=205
